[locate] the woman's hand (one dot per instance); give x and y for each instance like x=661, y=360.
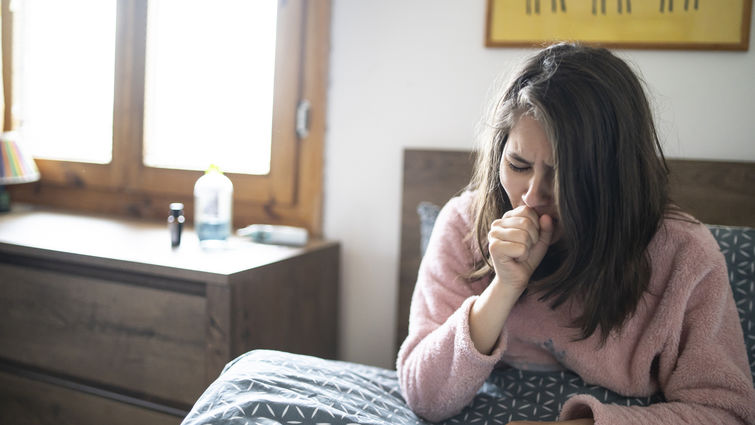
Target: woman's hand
x=517, y=243
x=571, y=422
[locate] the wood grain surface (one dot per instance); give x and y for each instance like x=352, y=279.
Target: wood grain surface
x=106, y=307
x=141, y=339
x=30, y=402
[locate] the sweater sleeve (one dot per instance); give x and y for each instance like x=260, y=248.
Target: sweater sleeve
x=439, y=369
x=703, y=367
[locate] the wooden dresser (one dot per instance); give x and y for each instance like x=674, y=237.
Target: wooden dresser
x=102, y=322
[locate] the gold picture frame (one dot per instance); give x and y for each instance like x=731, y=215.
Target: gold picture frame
x=637, y=24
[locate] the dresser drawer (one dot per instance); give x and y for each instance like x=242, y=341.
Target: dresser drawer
x=29, y=402
x=140, y=339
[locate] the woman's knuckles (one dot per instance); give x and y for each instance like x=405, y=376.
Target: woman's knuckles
x=508, y=249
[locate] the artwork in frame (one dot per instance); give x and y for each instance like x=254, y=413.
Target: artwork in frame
x=645, y=24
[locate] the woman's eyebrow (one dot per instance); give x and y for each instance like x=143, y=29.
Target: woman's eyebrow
x=518, y=158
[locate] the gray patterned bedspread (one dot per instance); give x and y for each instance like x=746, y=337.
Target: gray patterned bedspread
x=271, y=387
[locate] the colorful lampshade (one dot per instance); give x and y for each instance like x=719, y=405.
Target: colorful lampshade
x=16, y=165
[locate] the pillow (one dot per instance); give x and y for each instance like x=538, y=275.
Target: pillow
x=428, y=212
x=738, y=247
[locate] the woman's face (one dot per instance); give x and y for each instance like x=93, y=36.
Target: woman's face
x=527, y=170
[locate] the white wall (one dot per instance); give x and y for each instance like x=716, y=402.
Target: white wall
x=415, y=74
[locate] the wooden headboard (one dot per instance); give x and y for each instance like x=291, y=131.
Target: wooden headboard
x=714, y=192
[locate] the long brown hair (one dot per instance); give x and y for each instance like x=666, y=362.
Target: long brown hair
x=611, y=184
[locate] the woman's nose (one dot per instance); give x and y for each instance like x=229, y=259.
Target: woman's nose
x=539, y=194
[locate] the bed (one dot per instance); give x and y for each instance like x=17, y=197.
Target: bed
x=271, y=387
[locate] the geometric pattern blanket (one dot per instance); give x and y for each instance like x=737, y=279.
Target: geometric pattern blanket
x=272, y=387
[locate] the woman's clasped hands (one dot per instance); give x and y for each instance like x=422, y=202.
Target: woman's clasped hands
x=518, y=242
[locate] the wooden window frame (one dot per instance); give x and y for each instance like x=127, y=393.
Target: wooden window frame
x=290, y=194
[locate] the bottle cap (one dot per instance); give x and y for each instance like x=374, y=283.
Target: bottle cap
x=176, y=208
x=213, y=169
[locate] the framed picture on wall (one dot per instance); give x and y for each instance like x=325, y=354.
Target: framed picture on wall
x=644, y=24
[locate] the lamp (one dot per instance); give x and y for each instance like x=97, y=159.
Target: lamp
x=16, y=166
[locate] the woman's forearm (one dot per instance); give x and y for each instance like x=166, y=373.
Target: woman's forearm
x=489, y=313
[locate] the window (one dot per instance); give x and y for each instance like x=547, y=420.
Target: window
x=219, y=78
x=63, y=68
x=125, y=102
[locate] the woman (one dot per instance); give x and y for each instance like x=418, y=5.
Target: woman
x=566, y=253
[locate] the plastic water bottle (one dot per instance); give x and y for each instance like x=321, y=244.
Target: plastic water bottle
x=213, y=205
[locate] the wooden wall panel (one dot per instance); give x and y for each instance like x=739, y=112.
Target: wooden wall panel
x=715, y=192
x=431, y=176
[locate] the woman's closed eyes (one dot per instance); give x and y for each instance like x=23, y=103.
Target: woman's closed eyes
x=517, y=169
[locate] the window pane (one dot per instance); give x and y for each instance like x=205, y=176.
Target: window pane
x=209, y=84
x=63, y=75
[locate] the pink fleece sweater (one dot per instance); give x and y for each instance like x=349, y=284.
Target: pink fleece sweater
x=686, y=323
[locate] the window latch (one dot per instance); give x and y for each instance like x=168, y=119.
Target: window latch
x=302, y=119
